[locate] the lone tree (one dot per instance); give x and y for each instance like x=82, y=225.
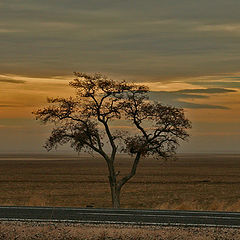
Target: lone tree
x=84, y=121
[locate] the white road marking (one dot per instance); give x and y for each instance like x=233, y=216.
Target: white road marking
x=120, y=223
x=160, y=215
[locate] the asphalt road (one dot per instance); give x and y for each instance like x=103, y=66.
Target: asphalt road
x=123, y=216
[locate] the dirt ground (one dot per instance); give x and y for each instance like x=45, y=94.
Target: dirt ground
x=193, y=182
x=60, y=231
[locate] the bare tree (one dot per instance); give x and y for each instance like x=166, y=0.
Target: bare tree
x=85, y=122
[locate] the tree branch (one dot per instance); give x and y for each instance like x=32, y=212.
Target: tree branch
x=132, y=172
x=111, y=139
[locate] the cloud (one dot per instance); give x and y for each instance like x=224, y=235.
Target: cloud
x=233, y=77
x=168, y=96
x=198, y=105
x=228, y=82
x=176, y=98
x=4, y=30
x=6, y=105
x=11, y=81
x=207, y=90
x=230, y=28
x=144, y=39
x=218, y=83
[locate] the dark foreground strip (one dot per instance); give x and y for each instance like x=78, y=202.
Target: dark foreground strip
x=122, y=216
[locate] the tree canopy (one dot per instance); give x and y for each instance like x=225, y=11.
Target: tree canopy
x=85, y=120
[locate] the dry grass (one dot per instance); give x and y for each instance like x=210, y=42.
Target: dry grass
x=49, y=231
x=203, y=182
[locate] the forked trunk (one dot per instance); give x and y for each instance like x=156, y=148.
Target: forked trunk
x=115, y=192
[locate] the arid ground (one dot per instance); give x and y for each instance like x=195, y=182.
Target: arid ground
x=61, y=231
x=199, y=182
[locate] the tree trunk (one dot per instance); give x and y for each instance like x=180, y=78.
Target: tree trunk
x=115, y=192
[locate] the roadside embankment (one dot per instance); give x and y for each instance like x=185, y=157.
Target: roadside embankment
x=10, y=230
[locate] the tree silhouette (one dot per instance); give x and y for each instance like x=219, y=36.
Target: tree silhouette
x=85, y=120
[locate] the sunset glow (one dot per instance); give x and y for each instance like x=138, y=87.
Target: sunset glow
x=188, y=55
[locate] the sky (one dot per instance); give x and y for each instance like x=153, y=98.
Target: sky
x=187, y=52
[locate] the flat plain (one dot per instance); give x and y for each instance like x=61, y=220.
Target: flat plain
x=191, y=182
